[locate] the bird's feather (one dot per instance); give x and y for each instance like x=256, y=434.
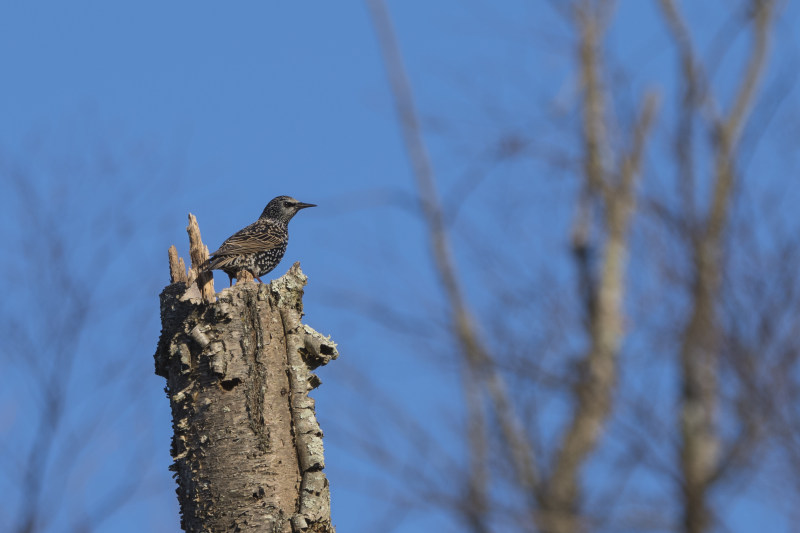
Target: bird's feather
x=254, y=238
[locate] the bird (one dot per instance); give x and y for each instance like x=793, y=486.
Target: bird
x=259, y=247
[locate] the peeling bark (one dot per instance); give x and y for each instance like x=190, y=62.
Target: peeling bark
x=247, y=447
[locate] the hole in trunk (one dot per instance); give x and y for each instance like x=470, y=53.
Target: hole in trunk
x=229, y=384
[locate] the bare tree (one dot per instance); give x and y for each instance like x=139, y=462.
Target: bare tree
x=69, y=390
x=557, y=495
x=702, y=452
x=680, y=243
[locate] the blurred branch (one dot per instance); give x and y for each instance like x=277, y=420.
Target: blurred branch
x=603, y=297
x=475, y=354
x=523, y=374
x=701, y=443
x=53, y=378
x=61, y=374
x=595, y=138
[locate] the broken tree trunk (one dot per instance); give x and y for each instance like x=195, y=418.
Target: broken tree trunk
x=247, y=446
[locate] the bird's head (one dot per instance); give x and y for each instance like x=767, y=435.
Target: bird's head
x=283, y=208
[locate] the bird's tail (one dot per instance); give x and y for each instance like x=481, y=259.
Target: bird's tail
x=217, y=262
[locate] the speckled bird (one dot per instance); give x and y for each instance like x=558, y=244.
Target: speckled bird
x=259, y=247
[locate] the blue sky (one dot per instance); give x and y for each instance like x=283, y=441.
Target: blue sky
x=129, y=116
x=213, y=110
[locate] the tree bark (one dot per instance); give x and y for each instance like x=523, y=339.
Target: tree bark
x=247, y=447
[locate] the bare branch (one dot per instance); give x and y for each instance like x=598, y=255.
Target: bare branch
x=475, y=354
x=729, y=130
x=701, y=443
x=594, y=136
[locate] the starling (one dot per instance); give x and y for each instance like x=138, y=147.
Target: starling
x=260, y=246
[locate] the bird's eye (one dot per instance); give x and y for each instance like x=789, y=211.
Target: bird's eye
x=287, y=204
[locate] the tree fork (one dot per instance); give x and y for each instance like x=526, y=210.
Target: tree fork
x=247, y=447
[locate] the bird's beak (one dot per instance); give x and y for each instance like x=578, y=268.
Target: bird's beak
x=301, y=205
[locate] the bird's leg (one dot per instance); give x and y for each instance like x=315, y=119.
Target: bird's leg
x=230, y=280
x=259, y=280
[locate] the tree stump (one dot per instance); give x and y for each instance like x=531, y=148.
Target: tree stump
x=247, y=447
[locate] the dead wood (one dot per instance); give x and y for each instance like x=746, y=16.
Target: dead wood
x=247, y=447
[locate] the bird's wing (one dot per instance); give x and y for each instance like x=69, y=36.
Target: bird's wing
x=251, y=239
